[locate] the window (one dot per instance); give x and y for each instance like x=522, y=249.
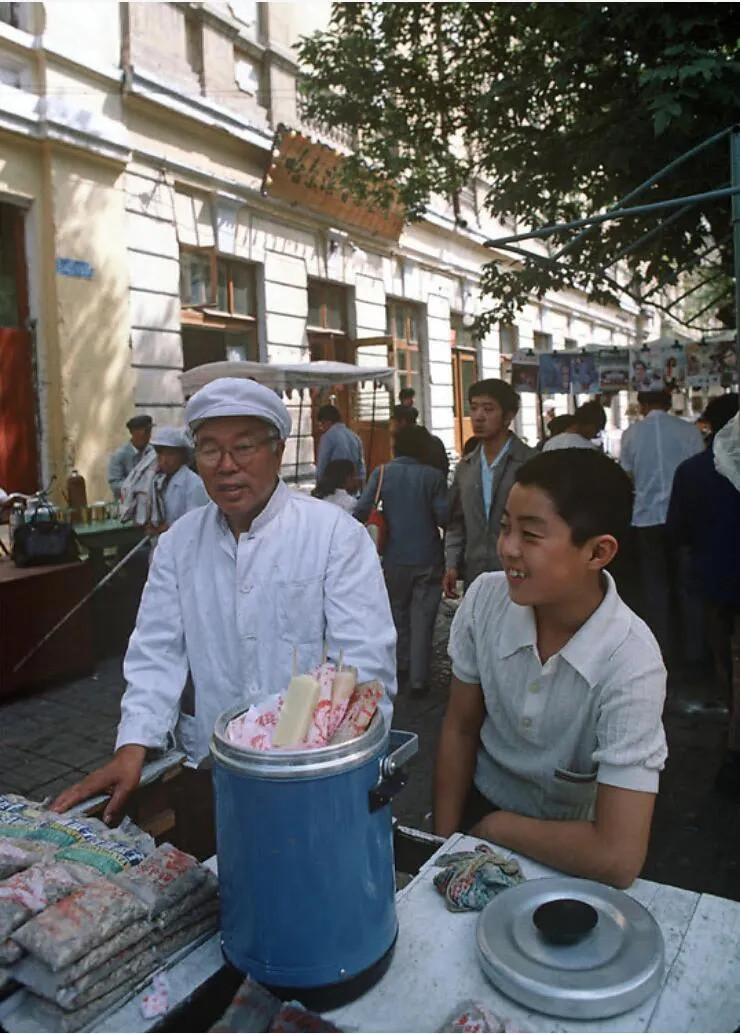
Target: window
x=226, y=285
x=247, y=74
x=219, y=308
x=403, y=323
x=570, y=344
x=508, y=338
x=11, y=14
x=327, y=306
x=542, y=341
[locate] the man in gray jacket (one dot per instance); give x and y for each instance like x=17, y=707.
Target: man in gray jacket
x=481, y=484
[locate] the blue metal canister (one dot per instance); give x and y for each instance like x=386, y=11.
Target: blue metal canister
x=305, y=861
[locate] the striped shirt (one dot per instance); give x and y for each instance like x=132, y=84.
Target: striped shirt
x=591, y=714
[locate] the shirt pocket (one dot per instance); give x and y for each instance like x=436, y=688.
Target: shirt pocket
x=300, y=610
x=573, y=788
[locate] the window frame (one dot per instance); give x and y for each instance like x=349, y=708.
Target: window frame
x=407, y=346
x=325, y=287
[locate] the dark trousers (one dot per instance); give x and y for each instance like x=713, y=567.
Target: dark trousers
x=477, y=806
x=655, y=580
x=414, y=593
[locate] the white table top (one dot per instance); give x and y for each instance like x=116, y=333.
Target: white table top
x=435, y=966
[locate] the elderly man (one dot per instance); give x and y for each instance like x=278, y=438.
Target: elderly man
x=123, y=460
x=240, y=591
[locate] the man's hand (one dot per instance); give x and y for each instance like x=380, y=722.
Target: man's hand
x=119, y=777
x=449, y=583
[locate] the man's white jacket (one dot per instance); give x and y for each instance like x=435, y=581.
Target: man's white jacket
x=225, y=617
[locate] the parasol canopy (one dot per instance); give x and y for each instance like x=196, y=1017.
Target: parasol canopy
x=285, y=377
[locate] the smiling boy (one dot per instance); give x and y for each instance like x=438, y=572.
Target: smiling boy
x=552, y=742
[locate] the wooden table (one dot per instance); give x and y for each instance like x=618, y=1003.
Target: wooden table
x=95, y=538
x=32, y=600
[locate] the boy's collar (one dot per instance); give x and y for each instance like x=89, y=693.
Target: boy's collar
x=584, y=651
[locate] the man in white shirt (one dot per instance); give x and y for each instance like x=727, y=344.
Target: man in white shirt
x=650, y=452
x=241, y=591
x=552, y=742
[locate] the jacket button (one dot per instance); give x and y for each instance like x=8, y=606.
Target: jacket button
x=526, y=722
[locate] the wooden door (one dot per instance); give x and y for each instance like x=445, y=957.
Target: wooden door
x=335, y=348
x=464, y=373
x=18, y=447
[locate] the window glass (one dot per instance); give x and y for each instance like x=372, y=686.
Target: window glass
x=314, y=306
x=195, y=278
x=468, y=377
x=9, y=315
x=400, y=324
x=335, y=309
x=244, y=302
x=414, y=360
x=222, y=296
x=413, y=325
x=509, y=338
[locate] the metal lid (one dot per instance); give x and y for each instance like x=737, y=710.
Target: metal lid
x=307, y=763
x=613, y=968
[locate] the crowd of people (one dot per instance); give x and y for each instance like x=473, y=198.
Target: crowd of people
x=552, y=742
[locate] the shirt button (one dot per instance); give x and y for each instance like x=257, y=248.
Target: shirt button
x=534, y=688
x=526, y=722
x=246, y=588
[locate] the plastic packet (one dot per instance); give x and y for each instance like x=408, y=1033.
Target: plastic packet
x=474, y=1016
x=362, y=707
x=31, y=891
x=66, y=931
x=18, y=854
x=163, y=878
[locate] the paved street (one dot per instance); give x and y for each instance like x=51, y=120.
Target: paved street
x=54, y=737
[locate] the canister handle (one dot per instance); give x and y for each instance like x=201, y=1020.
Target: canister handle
x=393, y=777
x=403, y=746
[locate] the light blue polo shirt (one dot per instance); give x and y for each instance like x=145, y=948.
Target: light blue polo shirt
x=486, y=474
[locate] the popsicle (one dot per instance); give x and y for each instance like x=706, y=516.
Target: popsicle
x=295, y=717
x=343, y=685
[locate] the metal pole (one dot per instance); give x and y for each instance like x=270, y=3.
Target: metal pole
x=82, y=602
x=620, y=213
x=300, y=433
x=735, y=180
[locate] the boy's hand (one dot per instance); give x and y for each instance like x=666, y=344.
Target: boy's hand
x=449, y=584
x=119, y=777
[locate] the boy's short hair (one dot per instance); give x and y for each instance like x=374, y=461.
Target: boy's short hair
x=330, y=414
x=407, y=393
x=413, y=441
x=591, y=413
x=405, y=414
x=660, y=398
x=590, y=491
x=496, y=389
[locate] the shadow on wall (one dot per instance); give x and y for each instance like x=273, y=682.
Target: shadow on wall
x=97, y=383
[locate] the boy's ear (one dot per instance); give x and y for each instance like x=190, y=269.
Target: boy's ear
x=601, y=551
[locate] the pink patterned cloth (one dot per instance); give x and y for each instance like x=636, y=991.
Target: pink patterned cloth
x=331, y=723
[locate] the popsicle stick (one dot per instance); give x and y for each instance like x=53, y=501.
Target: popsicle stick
x=341, y=660
x=295, y=660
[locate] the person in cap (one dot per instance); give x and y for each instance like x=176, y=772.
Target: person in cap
x=259, y=583
x=176, y=488
x=337, y=442
x=123, y=460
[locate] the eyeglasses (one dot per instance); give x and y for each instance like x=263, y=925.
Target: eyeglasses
x=211, y=455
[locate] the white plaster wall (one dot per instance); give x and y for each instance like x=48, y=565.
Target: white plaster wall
x=154, y=295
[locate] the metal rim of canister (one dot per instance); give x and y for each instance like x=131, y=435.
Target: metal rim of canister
x=306, y=763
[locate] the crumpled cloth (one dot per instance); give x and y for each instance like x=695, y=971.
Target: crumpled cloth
x=254, y=1008
x=473, y=1017
x=470, y=879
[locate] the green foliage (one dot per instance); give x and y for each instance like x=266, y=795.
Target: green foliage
x=563, y=109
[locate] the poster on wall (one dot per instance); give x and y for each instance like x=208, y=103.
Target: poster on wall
x=613, y=365
x=674, y=368
x=646, y=369
x=723, y=372
x=555, y=373
x=584, y=378
x=524, y=371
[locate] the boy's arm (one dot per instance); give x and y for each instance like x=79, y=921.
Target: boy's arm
x=454, y=537
x=456, y=754
x=610, y=849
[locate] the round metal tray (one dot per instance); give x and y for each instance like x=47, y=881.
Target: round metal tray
x=615, y=967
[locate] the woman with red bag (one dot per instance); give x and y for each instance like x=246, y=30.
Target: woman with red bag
x=413, y=497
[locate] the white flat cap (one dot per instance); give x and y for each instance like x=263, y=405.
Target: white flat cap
x=237, y=396
x=172, y=437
